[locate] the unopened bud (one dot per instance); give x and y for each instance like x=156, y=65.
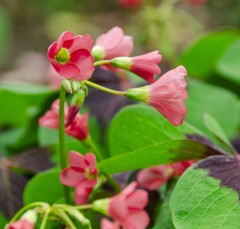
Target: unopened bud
x=30, y=216
x=67, y=85
x=122, y=62
x=139, y=94
x=85, y=89
x=75, y=85
x=76, y=103
x=101, y=206
x=98, y=52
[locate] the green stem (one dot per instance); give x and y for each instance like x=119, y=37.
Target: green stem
x=83, y=207
x=22, y=210
x=66, y=218
x=89, y=142
x=101, y=62
x=91, y=84
x=61, y=135
x=45, y=218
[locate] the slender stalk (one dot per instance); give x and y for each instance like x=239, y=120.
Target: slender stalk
x=83, y=207
x=89, y=142
x=61, y=135
x=66, y=218
x=45, y=218
x=22, y=210
x=91, y=84
x=101, y=62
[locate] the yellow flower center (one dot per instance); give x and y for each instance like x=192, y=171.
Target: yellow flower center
x=62, y=56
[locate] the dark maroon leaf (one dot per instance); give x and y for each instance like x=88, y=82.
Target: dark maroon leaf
x=14, y=175
x=224, y=168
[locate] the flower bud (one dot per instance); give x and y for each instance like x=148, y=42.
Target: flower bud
x=101, y=206
x=76, y=103
x=67, y=85
x=98, y=52
x=122, y=62
x=139, y=94
x=30, y=216
x=75, y=85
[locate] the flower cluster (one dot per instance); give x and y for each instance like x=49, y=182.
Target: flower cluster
x=82, y=175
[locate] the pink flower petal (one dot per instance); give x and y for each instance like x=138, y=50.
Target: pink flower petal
x=137, y=200
x=52, y=50
x=106, y=224
x=62, y=38
x=138, y=220
x=77, y=160
x=71, y=177
x=90, y=160
x=80, y=199
x=67, y=70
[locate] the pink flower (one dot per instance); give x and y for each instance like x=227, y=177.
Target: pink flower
x=106, y=224
x=168, y=93
x=131, y=3
x=71, y=56
x=78, y=128
x=21, y=224
x=113, y=44
x=82, y=174
x=127, y=208
x=145, y=66
x=153, y=178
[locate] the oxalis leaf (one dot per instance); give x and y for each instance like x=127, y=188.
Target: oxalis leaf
x=140, y=137
x=207, y=195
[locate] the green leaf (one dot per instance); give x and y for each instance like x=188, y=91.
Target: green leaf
x=229, y=64
x=3, y=221
x=44, y=187
x=207, y=195
x=202, y=57
x=215, y=128
x=140, y=137
x=155, y=154
x=220, y=103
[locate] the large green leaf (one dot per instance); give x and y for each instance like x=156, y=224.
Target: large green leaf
x=207, y=195
x=140, y=137
x=202, y=57
x=229, y=64
x=26, y=99
x=44, y=187
x=220, y=103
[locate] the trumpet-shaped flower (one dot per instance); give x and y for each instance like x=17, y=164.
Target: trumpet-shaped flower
x=145, y=66
x=82, y=174
x=166, y=95
x=71, y=56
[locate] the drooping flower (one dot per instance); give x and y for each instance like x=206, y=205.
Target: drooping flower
x=154, y=177
x=71, y=56
x=77, y=129
x=131, y=3
x=82, y=174
x=145, y=66
x=21, y=224
x=113, y=44
x=166, y=95
x=127, y=208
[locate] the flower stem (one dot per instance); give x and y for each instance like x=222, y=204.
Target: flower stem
x=89, y=142
x=101, y=62
x=91, y=84
x=61, y=135
x=83, y=207
x=45, y=218
x=66, y=218
x=22, y=210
